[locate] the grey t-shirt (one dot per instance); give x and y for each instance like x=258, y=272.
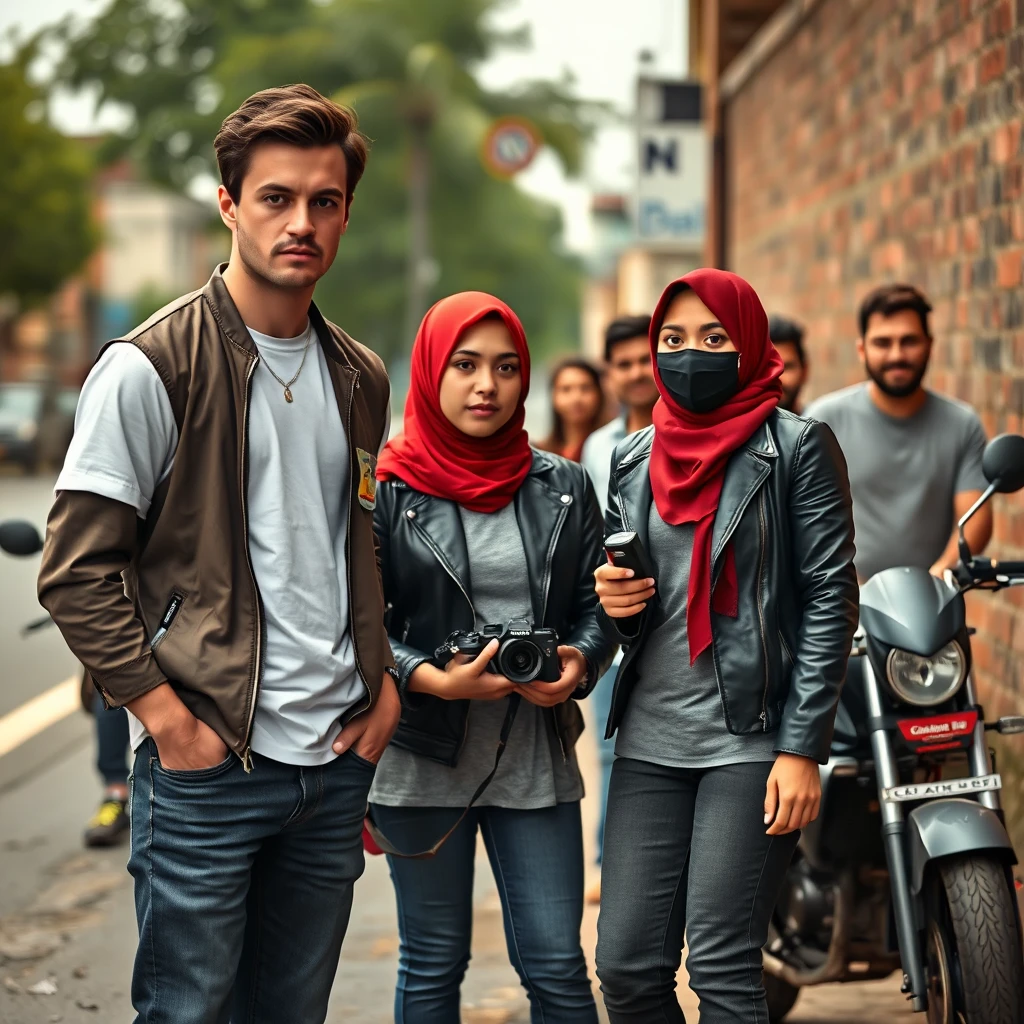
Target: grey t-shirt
x=904, y=473
x=675, y=715
x=532, y=772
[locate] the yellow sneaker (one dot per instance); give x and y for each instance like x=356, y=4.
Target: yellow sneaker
x=109, y=824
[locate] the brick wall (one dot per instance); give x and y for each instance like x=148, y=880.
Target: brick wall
x=883, y=141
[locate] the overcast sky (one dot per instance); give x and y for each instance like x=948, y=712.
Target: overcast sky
x=592, y=39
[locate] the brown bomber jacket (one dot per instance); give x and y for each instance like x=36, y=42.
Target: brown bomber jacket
x=110, y=579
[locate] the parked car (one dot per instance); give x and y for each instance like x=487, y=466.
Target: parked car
x=36, y=423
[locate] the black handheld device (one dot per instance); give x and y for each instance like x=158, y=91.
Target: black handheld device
x=626, y=551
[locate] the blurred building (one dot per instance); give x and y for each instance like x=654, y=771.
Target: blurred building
x=659, y=231
x=156, y=244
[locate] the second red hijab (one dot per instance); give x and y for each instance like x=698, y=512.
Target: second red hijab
x=691, y=450
x=432, y=454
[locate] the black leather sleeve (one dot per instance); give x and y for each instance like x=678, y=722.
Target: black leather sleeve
x=407, y=658
x=821, y=525
x=586, y=634
x=620, y=632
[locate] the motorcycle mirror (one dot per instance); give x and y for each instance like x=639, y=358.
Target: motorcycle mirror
x=1003, y=463
x=18, y=537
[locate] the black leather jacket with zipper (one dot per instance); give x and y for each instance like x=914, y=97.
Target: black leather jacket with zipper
x=425, y=573
x=786, y=509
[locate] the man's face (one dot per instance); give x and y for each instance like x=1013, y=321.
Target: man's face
x=895, y=352
x=630, y=377
x=291, y=213
x=794, y=374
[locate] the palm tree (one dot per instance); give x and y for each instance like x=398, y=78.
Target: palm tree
x=424, y=82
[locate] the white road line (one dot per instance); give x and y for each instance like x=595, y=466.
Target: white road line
x=40, y=713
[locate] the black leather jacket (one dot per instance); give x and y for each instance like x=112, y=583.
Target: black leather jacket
x=787, y=510
x=425, y=569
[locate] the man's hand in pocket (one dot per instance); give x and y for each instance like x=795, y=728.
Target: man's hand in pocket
x=369, y=734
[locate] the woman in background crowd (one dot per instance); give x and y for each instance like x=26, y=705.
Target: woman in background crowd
x=475, y=528
x=726, y=697
x=577, y=407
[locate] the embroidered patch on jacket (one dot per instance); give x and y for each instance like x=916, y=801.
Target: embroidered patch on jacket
x=367, y=479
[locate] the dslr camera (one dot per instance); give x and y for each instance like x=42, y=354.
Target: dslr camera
x=525, y=654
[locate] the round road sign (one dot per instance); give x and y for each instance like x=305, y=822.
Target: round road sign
x=510, y=145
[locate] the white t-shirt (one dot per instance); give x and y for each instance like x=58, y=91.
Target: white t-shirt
x=123, y=447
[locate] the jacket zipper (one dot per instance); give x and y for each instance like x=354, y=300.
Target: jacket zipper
x=444, y=565
x=258, y=667
x=173, y=607
x=348, y=540
x=760, y=611
x=563, y=515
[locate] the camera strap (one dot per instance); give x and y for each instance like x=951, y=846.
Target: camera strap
x=387, y=846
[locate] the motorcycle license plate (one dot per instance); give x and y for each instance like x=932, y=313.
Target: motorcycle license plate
x=952, y=787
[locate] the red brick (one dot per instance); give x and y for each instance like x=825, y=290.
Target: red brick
x=993, y=64
x=1008, y=267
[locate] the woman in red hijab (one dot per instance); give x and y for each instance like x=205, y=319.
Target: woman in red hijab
x=736, y=645
x=476, y=530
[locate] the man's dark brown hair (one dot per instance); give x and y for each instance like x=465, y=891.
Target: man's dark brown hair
x=297, y=115
x=894, y=298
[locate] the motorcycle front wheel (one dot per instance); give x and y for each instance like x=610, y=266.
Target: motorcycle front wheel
x=974, y=959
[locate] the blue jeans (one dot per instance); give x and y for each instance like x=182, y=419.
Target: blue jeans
x=111, y=742
x=243, y=887
x=601, y=701
x=537, y=860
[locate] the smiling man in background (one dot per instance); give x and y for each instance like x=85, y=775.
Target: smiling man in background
x=914, y=456
x=210, y=559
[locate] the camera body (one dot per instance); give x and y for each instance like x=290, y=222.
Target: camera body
x=525, y=654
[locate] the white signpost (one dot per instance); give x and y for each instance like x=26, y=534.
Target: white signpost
x=670, y=203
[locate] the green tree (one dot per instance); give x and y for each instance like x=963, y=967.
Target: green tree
x=427, y=219
x=44, y=193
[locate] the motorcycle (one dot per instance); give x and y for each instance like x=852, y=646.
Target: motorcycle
x=909, y=864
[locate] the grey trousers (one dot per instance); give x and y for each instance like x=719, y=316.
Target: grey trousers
x=685, y=851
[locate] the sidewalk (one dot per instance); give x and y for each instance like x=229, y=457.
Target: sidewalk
x=67, y=917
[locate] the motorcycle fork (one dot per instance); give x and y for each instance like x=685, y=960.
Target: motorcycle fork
x=978, y=759
x=893, y=826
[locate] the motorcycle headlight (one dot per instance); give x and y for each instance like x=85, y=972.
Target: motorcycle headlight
x=926, y=682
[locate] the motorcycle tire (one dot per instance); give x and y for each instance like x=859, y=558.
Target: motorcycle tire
x=781, y=997
x=986, y=940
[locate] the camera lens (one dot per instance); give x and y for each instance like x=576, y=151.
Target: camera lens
x=519, y=661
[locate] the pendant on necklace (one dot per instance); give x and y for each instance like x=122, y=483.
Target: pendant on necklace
x=288, y=394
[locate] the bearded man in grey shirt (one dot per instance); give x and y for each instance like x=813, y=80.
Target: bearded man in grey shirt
x=914, y=456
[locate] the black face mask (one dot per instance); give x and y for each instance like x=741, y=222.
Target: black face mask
x=700, y=381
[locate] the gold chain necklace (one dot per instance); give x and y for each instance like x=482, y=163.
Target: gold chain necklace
x=287, y=384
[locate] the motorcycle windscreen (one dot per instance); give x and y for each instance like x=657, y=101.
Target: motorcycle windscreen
x=911, y=609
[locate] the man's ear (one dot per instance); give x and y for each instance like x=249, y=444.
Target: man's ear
x=349, y=199
x=226, y=208
x=860, y=351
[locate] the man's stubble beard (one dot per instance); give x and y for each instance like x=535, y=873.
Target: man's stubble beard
x=904, y=391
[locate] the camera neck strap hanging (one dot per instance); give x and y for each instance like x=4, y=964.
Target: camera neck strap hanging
x=388, y=847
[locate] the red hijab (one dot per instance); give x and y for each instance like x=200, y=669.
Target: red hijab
x=691, y=450
x=432, y=454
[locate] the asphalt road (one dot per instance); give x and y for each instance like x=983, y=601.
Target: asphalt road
x=66, y=915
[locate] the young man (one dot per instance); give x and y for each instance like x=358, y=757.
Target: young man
x=627, y=353
x=788, y=338
x=914, y=456
x=223, y=464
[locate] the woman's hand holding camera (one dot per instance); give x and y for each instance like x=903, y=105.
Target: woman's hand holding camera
x=794, y=794
x=547, y=695
x=620, y=595
x=463, y=678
